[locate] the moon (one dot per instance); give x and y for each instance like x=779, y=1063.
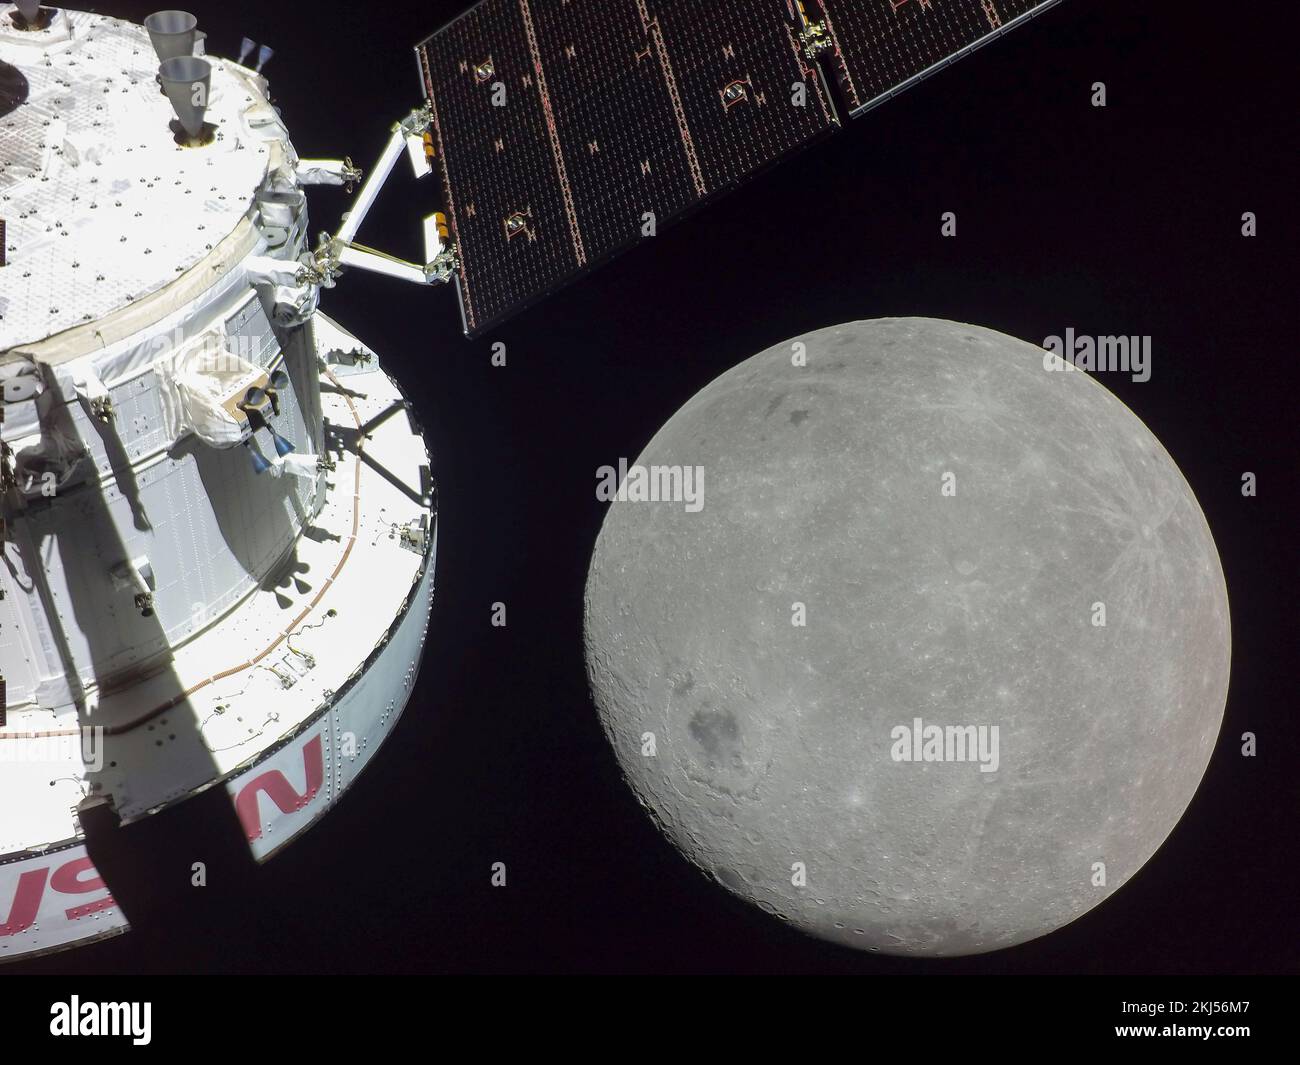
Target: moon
x=895, y=527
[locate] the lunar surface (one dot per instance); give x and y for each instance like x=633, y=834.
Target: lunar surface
x=940, y=657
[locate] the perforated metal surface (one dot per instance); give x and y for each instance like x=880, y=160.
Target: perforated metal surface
x=568, y=130
x=102, y=207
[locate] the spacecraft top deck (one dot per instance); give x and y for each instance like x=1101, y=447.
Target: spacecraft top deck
x=101, y=206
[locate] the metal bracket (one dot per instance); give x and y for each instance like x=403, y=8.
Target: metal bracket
x=418, y=122
x=325, y=266
x=815, y=38
x=352, y=174
x=333, y=254
x=414, y=534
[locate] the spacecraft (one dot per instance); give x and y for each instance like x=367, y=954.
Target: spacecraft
x=219, y=512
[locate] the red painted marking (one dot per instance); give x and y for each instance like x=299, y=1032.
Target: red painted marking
x=68, y=879
x=27, y=902
x=280, y=791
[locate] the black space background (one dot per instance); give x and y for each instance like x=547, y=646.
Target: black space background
x=1117, y=220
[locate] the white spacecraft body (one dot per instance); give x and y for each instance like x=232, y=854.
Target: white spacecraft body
x=219, y=514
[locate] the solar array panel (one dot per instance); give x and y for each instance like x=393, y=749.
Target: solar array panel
x=883, y=46
x=567, y=131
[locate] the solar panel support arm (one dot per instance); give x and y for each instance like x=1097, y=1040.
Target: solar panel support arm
x=407, y=135
x=334, y=253
x=363, y=258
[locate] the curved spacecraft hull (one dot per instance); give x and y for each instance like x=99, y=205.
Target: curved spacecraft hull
x=54, y=898
x=219, y=517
